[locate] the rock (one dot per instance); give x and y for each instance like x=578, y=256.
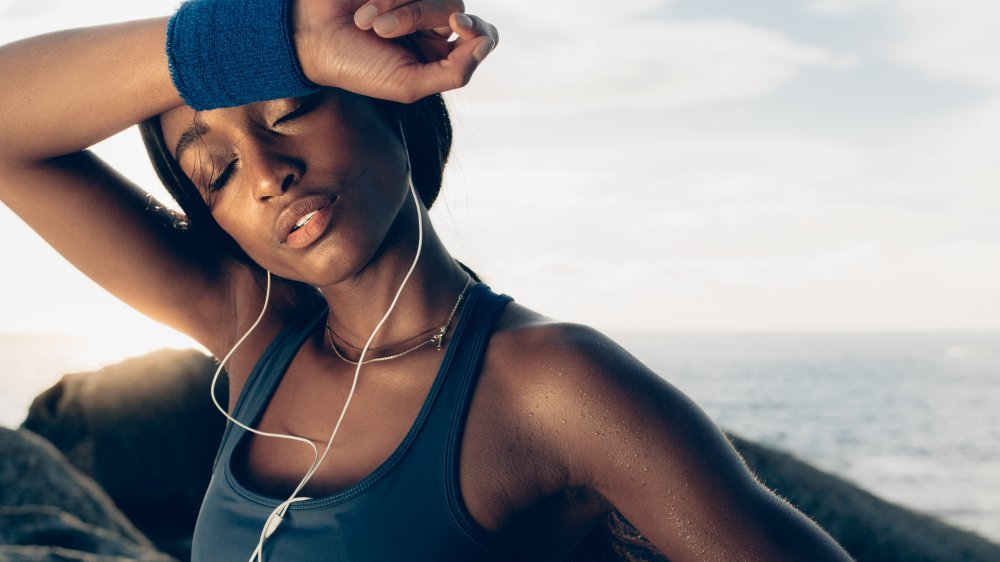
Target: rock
x=50, y=510
x=146, y=430
x=868, y=527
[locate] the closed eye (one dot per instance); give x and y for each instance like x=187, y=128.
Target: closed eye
x=223, y=178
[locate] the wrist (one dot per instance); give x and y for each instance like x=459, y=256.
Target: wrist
x=301, y=35
x=224, y=53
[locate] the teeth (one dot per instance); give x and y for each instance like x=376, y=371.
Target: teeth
x=304, y=219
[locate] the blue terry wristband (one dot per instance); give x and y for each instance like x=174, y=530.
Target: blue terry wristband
x=224, y=53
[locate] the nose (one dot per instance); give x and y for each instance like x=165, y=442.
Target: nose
x=272, y=172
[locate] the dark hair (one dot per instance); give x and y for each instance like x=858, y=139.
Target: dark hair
x=425, y=125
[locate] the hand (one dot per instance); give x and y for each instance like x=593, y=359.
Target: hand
x=353, y=45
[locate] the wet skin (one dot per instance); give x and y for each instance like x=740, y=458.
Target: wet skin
x=340, y=146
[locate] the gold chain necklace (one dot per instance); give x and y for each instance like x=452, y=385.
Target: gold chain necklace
x=437, y=338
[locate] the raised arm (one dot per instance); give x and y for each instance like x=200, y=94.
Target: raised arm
x=63, y=92
x=68, y=90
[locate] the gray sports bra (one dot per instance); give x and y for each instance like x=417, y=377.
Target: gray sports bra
x=408, y=509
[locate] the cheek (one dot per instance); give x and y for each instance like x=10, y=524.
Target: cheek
x=238, y=224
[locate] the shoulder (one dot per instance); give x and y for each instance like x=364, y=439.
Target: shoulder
x=586, y=398
x=612, y=426
x=528, y=399
x=611, y=423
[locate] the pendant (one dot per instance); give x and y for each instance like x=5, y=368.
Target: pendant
x=439, y=338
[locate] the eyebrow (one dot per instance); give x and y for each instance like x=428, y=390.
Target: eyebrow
x=191, y=134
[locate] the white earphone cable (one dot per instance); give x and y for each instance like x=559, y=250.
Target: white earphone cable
x=271, y=523
x=277, y=515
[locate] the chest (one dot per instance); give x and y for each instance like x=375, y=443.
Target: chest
x=509, y=486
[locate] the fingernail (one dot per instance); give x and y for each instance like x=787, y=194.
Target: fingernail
x=365, y=16
x=483, y=49
x=464, y=20
x=386, y=24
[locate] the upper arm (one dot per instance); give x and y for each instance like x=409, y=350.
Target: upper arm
x=122, y=239
x=654, y=455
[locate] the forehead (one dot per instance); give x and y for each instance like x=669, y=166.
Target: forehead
x=180, y=120
x=174, y=122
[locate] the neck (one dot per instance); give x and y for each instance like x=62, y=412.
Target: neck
x=359, y=303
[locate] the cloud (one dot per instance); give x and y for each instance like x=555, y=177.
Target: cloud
x=739, y=214
x=832, y=7
x=18, y=9
x=950, y=40
x=589, y=57
x=747, y=232
x=953, y=164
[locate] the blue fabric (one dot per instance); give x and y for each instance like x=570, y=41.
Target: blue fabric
x=224, y=53
x=409, y=508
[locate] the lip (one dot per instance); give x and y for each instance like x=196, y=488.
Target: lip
x=308, y=233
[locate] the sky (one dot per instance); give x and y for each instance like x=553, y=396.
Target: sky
x=814, y=165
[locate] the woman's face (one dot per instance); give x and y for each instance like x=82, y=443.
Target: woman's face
x=308, y=187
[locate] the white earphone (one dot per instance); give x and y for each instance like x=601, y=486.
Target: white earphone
x=277, y=515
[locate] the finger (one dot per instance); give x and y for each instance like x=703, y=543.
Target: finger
x=447, y=74
x=443, y=32
x=395, y=18
x=434, y=44
x=469, y=27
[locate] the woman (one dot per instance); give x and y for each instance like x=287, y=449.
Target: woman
x=467, y=427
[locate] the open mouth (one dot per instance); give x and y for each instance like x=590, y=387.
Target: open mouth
x=305, y=219
x=308, y=227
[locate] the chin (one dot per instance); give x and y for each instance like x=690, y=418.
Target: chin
x=324, y=264
x=346, y=249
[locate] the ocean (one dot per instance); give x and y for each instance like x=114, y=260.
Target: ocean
x=911, y=417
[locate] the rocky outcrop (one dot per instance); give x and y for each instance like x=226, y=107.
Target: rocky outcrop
x=868, y=527
x=50, y=510
x=147, y=432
